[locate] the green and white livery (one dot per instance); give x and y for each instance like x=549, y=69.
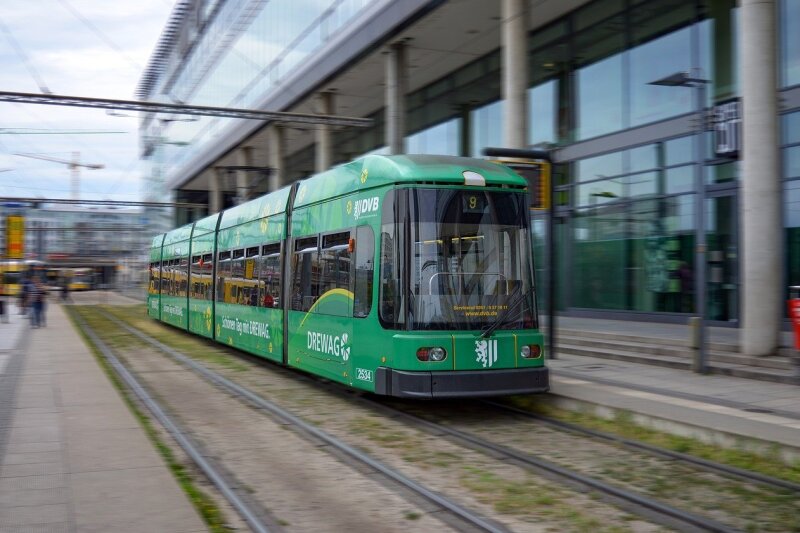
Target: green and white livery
x=407, y=276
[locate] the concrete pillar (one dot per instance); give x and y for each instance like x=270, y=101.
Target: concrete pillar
x=215, y=180
x=276, y=140
x=324, y=149
x=245, y=159
x=396, y=90
x=515, y=73
x=761, y=225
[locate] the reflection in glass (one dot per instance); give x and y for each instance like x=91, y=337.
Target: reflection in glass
x=600, y=192
x=599, y=275
x=680, y=179
x=542, y=105
x=600, y=98
x=635, y=256
x=643, y=158
x=441, y=139
x=652, y=61
x=722, y=258
x=679, y=151
x=644, y=184
x=790, y=42
x=722, y=173
x=487, y=127
x=792, y=222
x=791, y=128
x=599, y=167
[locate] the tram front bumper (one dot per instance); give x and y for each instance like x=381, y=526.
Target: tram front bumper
x=461, y=384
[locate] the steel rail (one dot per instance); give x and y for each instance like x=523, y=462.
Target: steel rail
x=465, y=514
x=673, y=513
x=657, y=450
x=174, y=429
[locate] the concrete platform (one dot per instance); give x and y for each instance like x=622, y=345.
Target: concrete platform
x=72, y=456
x=725, y=410
x=628, y=367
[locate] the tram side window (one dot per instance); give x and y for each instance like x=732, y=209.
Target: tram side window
x=155, y=278
x=250, y=282
x=167, y=277
x=196, y=279
x=236, y=293
x=270, y=276
x=208, y=281
x=183, y=276
x=364, y=271
x=335, y=273
x=223, y=273
x=305, y=269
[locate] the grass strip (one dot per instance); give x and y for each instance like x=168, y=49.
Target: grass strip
x=208, y=509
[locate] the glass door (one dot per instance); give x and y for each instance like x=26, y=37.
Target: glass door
x=722, y=258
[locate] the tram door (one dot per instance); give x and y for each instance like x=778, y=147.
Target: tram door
x=722, y=258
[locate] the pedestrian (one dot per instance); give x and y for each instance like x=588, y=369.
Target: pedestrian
x=42, y=302
x=3, y=311
x=65, y=290
x=24, y=296
x=35, y=303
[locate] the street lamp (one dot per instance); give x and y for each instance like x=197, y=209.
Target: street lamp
x=685, y=79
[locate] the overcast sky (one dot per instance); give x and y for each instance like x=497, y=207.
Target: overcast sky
x=78, y=48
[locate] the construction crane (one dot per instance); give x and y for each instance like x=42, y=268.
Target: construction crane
x=74, y=167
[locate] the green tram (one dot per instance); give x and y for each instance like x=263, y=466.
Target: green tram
x=407, y=276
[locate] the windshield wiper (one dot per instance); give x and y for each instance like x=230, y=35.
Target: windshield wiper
x=518, y=297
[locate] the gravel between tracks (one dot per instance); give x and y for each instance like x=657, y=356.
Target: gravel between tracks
x=506, y=492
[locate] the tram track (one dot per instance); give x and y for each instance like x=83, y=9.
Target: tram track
x=711, y=466
x=647, y=507
x=249, y=512
x=463, y=517
x=633, y=501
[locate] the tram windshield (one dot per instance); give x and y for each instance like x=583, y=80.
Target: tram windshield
x=467, y=264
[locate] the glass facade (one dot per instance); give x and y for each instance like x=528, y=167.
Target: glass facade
x=789, y=17
x=633, y=232
x=626, y=212
x=626, y=227
x=791, y=166
x=235, y=55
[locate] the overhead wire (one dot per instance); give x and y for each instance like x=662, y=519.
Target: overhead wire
x=25, y=60
x=86, y=22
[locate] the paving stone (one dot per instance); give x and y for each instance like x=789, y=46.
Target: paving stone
x=34, y=515
x=31, y=469
x=31, y=457
x=31, y=497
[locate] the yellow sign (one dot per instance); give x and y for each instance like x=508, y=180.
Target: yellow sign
x=15, y=237
x=249, y=268
x=537, y=174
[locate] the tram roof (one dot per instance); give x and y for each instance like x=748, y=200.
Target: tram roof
x=270, y=204
x=205, y=225
x=177, y=235
x=377, y=170
x=158, y=240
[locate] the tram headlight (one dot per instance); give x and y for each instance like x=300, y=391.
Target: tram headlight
x=436, y=354
x=532, y=351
